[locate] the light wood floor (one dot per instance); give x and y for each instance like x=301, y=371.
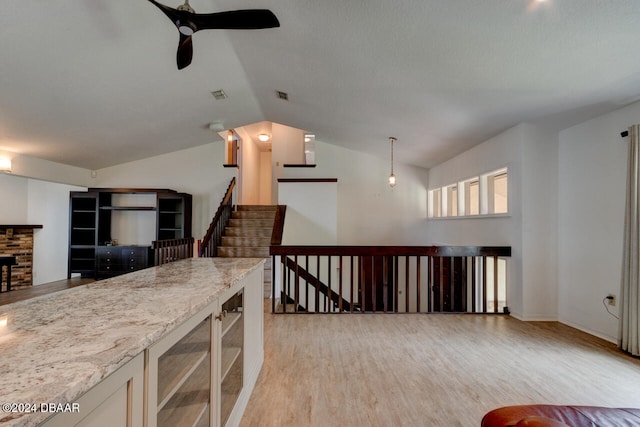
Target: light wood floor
x=20, y=294
x=428, y=370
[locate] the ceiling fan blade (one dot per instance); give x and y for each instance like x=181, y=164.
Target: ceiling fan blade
x=247, y=19
x=169, y=11
x=189, y=22
x=185, y=51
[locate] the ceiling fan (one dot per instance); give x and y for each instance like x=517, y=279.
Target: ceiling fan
x=188, y=22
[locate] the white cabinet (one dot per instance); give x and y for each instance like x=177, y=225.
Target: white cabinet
x=117, y=400
x=201, y=373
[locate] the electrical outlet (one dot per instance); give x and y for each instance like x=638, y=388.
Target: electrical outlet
x=611, y=299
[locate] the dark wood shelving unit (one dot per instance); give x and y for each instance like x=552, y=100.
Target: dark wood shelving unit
x=128, y=208
x=90, y=220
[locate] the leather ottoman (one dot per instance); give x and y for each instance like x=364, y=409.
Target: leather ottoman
x=561, y=416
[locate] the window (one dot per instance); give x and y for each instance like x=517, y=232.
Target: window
x=487, y=194
x=452, y=200
x=472, y=197
x=436, y=203
x=497, y=185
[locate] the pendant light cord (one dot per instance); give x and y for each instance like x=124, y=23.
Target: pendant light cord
x=392, y=139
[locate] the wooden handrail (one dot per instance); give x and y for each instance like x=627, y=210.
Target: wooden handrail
x=206, y=246
x=501, y=251
x=416, y=279
x=278, y=225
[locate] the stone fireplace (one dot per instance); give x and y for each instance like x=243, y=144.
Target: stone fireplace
x=17, y=240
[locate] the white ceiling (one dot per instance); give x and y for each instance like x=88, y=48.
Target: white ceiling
x=93, y=83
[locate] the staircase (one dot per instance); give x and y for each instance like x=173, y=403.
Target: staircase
x=248, y=235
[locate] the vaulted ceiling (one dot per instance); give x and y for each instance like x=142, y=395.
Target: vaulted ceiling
x=95, y=83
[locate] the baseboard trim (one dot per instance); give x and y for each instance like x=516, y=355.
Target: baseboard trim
x=613, y=340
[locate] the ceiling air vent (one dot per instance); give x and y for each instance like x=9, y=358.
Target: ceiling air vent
x=282, y=95
x=219, y=94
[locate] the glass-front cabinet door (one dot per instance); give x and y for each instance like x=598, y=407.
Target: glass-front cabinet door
x=232, y=354
x=180, y=377
x=195, y=374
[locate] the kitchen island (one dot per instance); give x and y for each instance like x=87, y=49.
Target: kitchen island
x=58, y=348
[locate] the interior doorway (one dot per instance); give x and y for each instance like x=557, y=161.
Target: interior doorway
x=264, y=150
x=254, y=162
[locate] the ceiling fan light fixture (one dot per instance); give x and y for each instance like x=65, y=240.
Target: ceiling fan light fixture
x=187, y=30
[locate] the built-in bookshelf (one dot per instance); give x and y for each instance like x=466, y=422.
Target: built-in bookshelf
x=130, y=218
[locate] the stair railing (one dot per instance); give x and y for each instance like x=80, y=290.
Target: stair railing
x=389, y=279
x=165, y=251
x=278, y=225
x=208, y=246
x=320, y=288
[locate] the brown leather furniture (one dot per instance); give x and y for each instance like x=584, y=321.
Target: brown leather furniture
x=561, y=416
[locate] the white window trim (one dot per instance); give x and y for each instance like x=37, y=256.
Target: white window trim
x=486, y=197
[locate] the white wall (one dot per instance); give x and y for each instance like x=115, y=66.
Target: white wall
x=197, y=171
x=539, y=223
x=34, y=201
x=312, y=215
x=249, y=171
x=31, y=167
x=369, y=212
x=530, y=154
x=592, y=181
x=287, y=148
x=48, y=204
x=13, y=193
x=265, y=178
x=503, y=150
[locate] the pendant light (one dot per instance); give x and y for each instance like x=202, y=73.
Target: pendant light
x=392, y=177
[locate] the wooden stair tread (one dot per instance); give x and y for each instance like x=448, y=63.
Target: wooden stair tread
x=248, y=235
x=246, y=241
x=256, y=208
x=253, y=215
x=243, y=252
x=250, y=222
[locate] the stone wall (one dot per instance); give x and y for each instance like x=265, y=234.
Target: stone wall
x=18, y=241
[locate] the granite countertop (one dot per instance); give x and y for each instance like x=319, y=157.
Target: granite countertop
x=55, y=347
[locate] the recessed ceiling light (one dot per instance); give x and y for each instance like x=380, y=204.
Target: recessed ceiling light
x=282, y=95
x=219, y=94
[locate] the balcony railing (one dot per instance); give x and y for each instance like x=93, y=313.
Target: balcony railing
x=389, y=279
x=165, y=251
